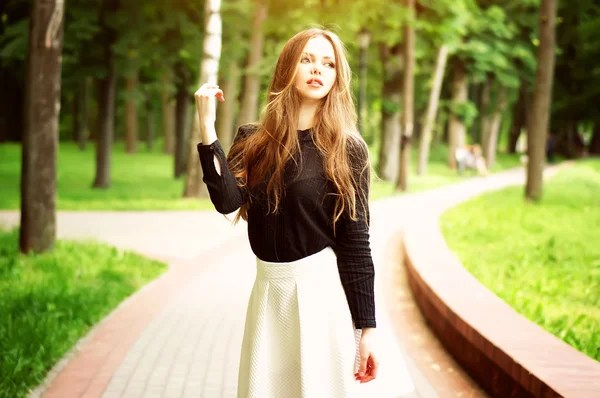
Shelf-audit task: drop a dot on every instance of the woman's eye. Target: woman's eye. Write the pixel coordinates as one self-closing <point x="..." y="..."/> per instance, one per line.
<point x="305" y="59"/>
<point x="331" y="64"/>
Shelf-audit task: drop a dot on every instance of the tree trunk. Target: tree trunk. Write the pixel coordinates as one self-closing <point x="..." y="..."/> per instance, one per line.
<point x="456" y="128"/>
<point x="182" y="104"/>
<point x="430" y="117"/>
<point x="83" y="130"/>
<point x="408" y="98"/>
<point x="149" y="124"/>
<point x="542" y="96"/>
<point x="484" y="111"/>
<point x="249" y="108"/>
<point x="519" y="119"/>
<point x="168" y="113"/>
<point x="491" y="143"/>
<point x="209" y="72"/>
<point x="40" y="138"/>
<point x="475" y="94"/>
<point x="391" y="93"/>
<point x="76" y="120"/>
<point x="362" y="87"/>
<point x="440" y="133"/>
<point x="106" y="100"/>
<point x="594" y="148"/>
<point x="131" y="115"/>
<point x="225" y="110"/>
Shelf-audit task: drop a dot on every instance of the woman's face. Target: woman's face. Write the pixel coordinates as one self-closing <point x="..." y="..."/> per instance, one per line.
<point x="317" y="70"/>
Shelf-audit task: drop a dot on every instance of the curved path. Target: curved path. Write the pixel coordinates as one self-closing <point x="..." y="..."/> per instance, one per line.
<point x="180" y="335"/>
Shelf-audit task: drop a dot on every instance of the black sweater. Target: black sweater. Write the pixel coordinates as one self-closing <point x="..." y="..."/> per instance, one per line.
<point x="303" y="223"/>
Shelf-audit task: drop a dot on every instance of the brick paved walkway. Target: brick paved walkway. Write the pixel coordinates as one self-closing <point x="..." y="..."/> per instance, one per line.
<point x="180" y="336"/>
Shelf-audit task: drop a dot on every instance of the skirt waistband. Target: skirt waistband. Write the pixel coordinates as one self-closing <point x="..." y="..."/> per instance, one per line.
<point x="319" y="263"/>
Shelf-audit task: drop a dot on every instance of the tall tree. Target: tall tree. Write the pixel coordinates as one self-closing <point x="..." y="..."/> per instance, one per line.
<point x="519" y="117"/>
<point x="457" y="128"/>
<point x="432" y="107"/>
<point x="225" y="111"/>
<point x="391" y="95"/>
<point x="149" y="124"/>
<point x="363" y="39"/>
<point x="408" y="97"/>
<point x="106" y="87"/>
<point x="209" y="71"/>
<point x="443" y="24"/>
<point x="40" y="139"/>
<point x="168" y="117"/>
<point x="81" y="113"/>
<point x="542" y="97"/>
<point x="249" y="108"/>
<point x="182" y="110"/>
<point x="131" y="114"/>
<point x="490" y="139"/>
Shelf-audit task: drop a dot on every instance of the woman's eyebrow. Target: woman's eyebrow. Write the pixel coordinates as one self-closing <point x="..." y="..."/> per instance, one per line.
<point x="313" y="55"/>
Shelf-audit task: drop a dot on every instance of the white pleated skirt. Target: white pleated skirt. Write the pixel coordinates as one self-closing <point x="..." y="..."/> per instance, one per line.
<point x="299" y="340"/>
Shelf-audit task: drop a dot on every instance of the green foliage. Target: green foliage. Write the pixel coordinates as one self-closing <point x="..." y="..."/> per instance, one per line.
<point x="577" y="76"/>
<point x="13" y="43"/>
<point x="81" y="50"/>
<point x="487" y="45"/>
<point x="49" y="301"/>
<point x="542" y="259"/>
<point x="466" y="111"/>
<point x="142" y="182"/>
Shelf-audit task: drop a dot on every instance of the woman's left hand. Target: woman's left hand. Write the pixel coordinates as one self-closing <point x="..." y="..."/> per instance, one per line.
<point x="368" y="359"/>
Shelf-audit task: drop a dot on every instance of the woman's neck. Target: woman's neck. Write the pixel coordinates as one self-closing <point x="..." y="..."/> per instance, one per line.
<point x="306" y="115"/>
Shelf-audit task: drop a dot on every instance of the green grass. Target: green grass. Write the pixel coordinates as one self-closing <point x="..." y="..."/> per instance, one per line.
<point x="49" y="301"/>
<point x="143" y="181"/>
<point x="438" y="173"/>
<point x="542" y="259"/>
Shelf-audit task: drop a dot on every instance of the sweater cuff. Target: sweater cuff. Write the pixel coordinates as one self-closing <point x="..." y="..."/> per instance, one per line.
<point x="206" y="154"/>
<point x="365" y="323"/>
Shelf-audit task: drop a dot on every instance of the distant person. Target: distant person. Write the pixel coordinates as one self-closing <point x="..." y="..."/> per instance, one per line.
<point x="300" y="177"/>
<point x="470" y="157"/>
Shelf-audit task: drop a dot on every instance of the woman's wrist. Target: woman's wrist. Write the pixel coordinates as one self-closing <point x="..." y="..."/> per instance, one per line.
<point x="367" y="331"/>
<point x="208" y="134"/>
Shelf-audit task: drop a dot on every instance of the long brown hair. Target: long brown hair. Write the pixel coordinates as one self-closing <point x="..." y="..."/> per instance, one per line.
<point x="265" y="153"/>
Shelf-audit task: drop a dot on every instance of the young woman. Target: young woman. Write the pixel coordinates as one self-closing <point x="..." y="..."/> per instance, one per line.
<point x="300" y="178"/>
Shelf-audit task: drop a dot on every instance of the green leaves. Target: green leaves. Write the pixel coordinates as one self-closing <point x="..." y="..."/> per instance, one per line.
<point x="466" y="112"/>
<point x="13" y="42"/>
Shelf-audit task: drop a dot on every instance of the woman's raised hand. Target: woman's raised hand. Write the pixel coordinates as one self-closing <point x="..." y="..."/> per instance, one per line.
<point x="205" y="103"/>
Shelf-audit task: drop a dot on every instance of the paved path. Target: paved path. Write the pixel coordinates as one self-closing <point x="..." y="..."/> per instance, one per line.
<point x="180" y="336"/>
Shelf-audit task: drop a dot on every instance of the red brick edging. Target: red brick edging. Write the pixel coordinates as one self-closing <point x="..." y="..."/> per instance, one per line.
<point x="505" y="352"/>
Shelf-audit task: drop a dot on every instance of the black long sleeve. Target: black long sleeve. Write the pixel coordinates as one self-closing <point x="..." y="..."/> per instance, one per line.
<point x="223" y="189"/>
<point x="353" y="250"/>
<point x="303" y="224"/>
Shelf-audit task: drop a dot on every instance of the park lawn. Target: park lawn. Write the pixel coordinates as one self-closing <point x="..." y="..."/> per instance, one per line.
<point x="145" y="181"/>
<point x="49" y="301"/>
<point x="438" y="174"/>
<point x="542" y="259"/>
